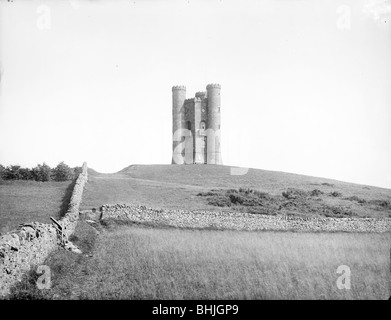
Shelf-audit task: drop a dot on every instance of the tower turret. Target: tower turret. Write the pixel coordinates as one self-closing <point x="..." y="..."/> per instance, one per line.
<point x="200" y="94"/>
<point x="213" y="124"/>
<point x="178" y="122"/>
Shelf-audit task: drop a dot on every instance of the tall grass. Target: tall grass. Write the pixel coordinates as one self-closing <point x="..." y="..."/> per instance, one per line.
<point x="149" y="263"/>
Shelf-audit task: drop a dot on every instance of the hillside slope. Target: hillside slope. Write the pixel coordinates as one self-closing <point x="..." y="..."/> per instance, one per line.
<point x="177" y="187"/>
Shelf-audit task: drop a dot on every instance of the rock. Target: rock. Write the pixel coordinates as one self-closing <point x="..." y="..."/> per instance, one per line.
<point x="71" y="247"/>
<point x="11" y="240"/>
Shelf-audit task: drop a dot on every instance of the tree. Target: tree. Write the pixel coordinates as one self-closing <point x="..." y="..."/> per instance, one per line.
<point x="11" y="173"/>
<point x="25" y="174"/>
<point x="77" y="170"/>
<point x="2" y="168"/>
<point x="63" y="172"/>
<point x="42" y="172"/>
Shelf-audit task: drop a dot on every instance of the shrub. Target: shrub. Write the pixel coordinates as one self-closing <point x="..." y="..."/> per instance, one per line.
<point x="236" y="199"/>
<point x="245" y="190"/>
<point x="39" y="173"/>
<point x="77" y="171"/>
<point x="63" y="172"/>
<point x="315" y="193"/>
<point x="355" y="198"/>
<point x="288" y="205"/>
<point x="251" y="201"/>
<point x="335" y="194"/>
<point x="381" y="203"/>
<point x="25" y="174"/>
<point x="292" y="193"/>
<point x="243" y="196"/>
<point x="206" y="194"/>
<point x="12" y="173"/>
<point x="42" y="172"/>
<point x="260" y="194"/>
<point x="338" y="212"/>
<point x="327" y="184"/>
<point x="219" y="201"/>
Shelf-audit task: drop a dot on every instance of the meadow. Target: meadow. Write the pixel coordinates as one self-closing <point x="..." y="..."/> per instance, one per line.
<point x="26" y="201"/>
<point x="126" y="261"/>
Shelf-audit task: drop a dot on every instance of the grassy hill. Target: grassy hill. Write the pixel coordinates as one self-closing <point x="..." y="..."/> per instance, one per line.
<point x="178" y="187"/>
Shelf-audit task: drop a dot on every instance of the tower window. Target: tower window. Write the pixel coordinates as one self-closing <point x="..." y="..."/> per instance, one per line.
<point x="202" y="125"/>
<point x="188" y="125"/>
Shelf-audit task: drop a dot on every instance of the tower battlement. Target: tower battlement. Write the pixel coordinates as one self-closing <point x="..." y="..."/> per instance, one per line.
<point x="213" y="85"/>
<point x="196" y="126"/>
<point x="178" y="88"/>
<point x="194" y="99"/>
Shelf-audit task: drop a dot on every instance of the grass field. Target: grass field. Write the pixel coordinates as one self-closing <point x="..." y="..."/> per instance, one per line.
<point x="128" y="261"/>
<point x="137" y="262"/>
<point x="176" y="187"/>
<point x="27" y="201"/>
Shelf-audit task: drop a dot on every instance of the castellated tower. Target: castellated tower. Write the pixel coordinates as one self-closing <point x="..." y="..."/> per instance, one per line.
<point x="196" y="126"/>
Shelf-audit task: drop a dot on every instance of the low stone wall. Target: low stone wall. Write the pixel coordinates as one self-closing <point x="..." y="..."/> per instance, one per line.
<point x="241" y="221"/>
<point x="31" y="243"/>
<point x="69" y="221"/>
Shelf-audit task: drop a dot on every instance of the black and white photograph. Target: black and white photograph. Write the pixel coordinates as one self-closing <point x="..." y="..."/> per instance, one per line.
<point x="193" y="155"/>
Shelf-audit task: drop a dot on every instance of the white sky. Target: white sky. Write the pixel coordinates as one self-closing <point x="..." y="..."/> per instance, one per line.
<point x="306" y="84"/>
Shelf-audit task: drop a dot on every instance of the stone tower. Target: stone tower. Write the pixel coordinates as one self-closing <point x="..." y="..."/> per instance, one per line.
<point x="196" y="126"/>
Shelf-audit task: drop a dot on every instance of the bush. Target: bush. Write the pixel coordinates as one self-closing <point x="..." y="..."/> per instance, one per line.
<point x="338" y="212"/>
<point x="242" y="197"/>
<point x="315" y="193"/>
<point x="25" y="174"/>
<point x="207" y="194"/>
<point x="219" y="201"/>
<point x="355" y="198"/>
<point x="335" y="194"/>
<point x="236" y="199"/>
<point x="63" y="172"/>
<point x="381" y="203"/>
<point x="77" y="171"/>
<point x="252" y="192"/>
<point x="42" y="172"/>
<point x="39" y="173"/>
<point x="292" y="193"/>
<point x="11" y="173"/>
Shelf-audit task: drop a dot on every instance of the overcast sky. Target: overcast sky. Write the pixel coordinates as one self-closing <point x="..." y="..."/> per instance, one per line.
<point x="306" y="85"/>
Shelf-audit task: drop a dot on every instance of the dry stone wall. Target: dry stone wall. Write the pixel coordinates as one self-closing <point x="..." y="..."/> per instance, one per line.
<point x="31" y="243"/>
<point x="70" y="219"/>
<point x="241" y="221"/>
